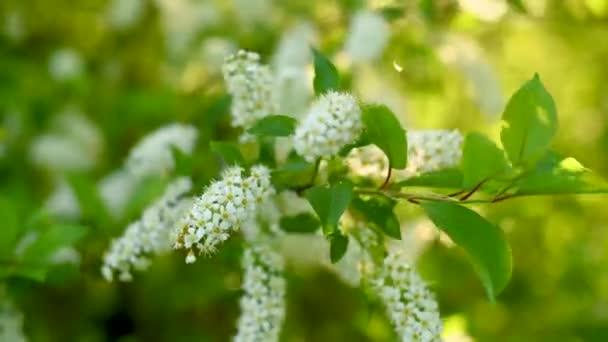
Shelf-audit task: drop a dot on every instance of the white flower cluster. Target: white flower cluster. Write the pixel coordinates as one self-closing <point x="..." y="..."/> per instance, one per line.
<point x="369" y="33"/>
<point x="65" y="64"/>
<point x="411" y="307"/>
<point x="153" y="154"/>
<point x="72" y="143"/>
<point x="332" y="122"/>
<point x="428" y="150"/>
<point x="251" y="85"/>
<point x="431" y="150"/>
<point x="124" y="14"/>
<point x="222" y="209"/>
<point x="115" y="190"/>
<point x="263" y="304"/>
<point x="11" y="321"/>
<point x="149" y="235"/>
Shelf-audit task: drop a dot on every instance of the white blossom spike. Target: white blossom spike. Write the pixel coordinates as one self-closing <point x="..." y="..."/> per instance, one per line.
<point x="368" y="36"/>
<point x="222" y="209"/>
<point x="154" y="155"/>
<point x="410" y="305"/>
<point x="251" y="85"/>
<point x="431" y="150"/>
<point x="150" y="235"/>
<point x="263" y="304"/>
<point x="11" y="320"/>
<point x="428" y="150"/>
<point x="332" y="122"/>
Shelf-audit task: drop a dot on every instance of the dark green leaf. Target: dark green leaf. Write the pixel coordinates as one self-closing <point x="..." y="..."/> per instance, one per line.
<point x="518" y="5"/>
<point x="379" y="211"/>
<point x="274" y="126"/>
<point x="385" y="131"/>
<point x="301" y="223"/>
<point x="447" y="178"/>
<point x="481" y="160"/>
<point x="326" y="74"/>
<point x="338" y="246"/>
<point x="391" y="13"/>
<point x="529" y="123"/>
<point x="183" y="162"/>
<point x="10" y="228"/>
<point x="566" y="176"/>
<point x="229" y="151"/>
<point x="484" y="243"/>
<point x="330" y="202"/>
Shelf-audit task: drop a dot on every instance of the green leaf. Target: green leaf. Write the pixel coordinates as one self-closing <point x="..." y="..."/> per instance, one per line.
<point x="90" y="202"/>
<point x="481" y="160"/>
<point x="330" y="202"/>
<point x="378" y="210"/>
<point x="295" y="172"/>
<point x="391" y="13"/>
<point x="529" y="123"/>
<point x="385" y="131"/>
<point x="338" y="246"/>
<point x="10" y="228"/>
<point x="326" y="74"/>
<point x="362" y="140"/>
<point x="274" y="126"/>
<point x="446" y="178"/>
<point x="50" y="240"/>
<point x="183" y="162"/>
<point x="484" y="243"/>
<point x="229" y="151"/>
<point x="301" y="223"/>
<point x="518" y="5"/>
<point x="565" y="176"/>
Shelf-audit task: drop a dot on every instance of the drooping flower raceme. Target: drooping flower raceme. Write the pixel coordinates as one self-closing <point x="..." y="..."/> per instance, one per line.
<point x="332" y="122"/>
<point x="154" y="155"/>
<point x="369" y="33"/>
<point x="263" y="304"/>
<point x="149" y="235"/>
<point x="11" y="321"/>
<point x="409" y="304"/>
<point x="428" y="150"/>
<point x="222" y="209"/>
<point x="251" y="85"/>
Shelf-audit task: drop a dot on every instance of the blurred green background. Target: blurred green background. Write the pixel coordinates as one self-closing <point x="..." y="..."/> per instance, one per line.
<point x="129" y="66"/>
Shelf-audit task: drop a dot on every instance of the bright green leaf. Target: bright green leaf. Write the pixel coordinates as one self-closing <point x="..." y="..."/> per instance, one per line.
<point x="565" y="176"/>
<point x="295" y="172"/>
<point x="89" y="200"/>
<point x="529" y="123"/>
<point x="10" y="228"/>
<point x="50" y="240"/>
<point x="274" y="126"/>
<point x="385" y="131"/>
<point x="484" y="243"/>
<point x="446" y="178"/>
<point x="330" y="202"/>
<point x="379" y="211"/>
<point x="183" y="162"/>
<point x="338" y="246"/>
<point x="326" y="74"/>
<point x="229" y="151"/>
<point x="481" y="160"/>
<point x="301" y="223"/>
